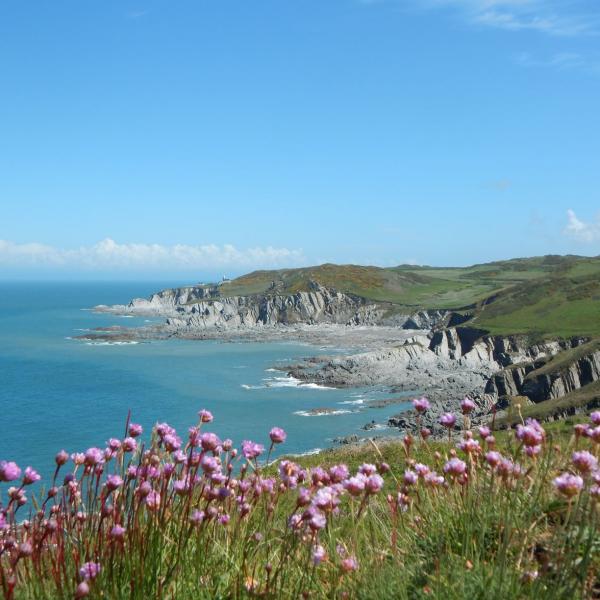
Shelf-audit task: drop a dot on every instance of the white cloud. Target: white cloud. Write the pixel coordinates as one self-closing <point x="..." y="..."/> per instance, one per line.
<point x="554" y="17"/>
<point x="109" y="254"/>
<point x="580" y="230"/>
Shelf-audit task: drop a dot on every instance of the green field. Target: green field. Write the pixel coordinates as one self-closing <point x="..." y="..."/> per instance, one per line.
<point x="549" y="296"/>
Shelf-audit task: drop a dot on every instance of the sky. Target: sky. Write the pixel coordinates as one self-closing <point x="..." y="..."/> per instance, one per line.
<point x="188" y="138"/>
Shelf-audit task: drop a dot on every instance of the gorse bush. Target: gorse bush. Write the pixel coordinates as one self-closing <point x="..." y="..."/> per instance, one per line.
<point x="513" y="517"/>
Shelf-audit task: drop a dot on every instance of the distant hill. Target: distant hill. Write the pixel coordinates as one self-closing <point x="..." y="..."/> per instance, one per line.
<point x="548" y="295"/>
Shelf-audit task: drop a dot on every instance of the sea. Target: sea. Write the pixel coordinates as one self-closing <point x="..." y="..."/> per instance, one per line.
<point x="58" y="392"/>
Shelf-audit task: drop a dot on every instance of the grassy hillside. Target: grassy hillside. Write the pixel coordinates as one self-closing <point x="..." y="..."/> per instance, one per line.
<point x="546" y="296"/>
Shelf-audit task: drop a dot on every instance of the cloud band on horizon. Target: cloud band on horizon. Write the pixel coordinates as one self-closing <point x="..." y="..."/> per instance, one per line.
<point x="108" y="254"/>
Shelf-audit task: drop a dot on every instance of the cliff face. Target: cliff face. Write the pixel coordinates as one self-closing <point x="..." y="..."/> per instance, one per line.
<point x="203" y="308"/>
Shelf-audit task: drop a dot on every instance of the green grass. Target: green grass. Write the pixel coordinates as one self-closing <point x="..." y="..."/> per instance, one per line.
<point x="549" y="296"/>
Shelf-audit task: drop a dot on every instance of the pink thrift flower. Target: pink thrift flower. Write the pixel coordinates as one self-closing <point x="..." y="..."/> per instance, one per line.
<point x="82" y="591"/>
<point x="410" y="477"/>
<point x="317" y="521"/>
<point x="89" y="570"/>
<point x="205" y="416"/>
<point x="135" y="430"/>
<point x="455" y="467"/>
<point x="469" y="446"/>
<point x="493" y="458"/>
<point x="355" y="486"/>
<point x="595" y="417"/>
<point x="93" y="457"/>
<point x="113" y="482"/>
<point x="277" y="435"/>
<point x="374" y="484"/>
<point x="338" y="473"/>
<point x="9" y="471"/>
<point x="129" y="444"/>
<point x="117" y="533"/>
<point x="252" y="450"/>
<point x="584" y="461"/>
<point x="367" y="469"/>
<point x="349" y="564"/>
<point x="467" y="406"/>
<point x="209" y="442"/>
<point x="569" y="485"/>
<point x="61" y="458"/>
<point x="153" y="501"/>
<point x="448" y="420"/>
<point x="30" y="476"/>
<point x="421" y="405"/>
<point x="425" y="433"/>
<point x="318" y="555"/>
<point x="484" y="432"/>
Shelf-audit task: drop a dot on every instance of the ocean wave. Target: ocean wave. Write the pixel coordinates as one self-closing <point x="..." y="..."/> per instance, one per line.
<point x="329" y="413"/>
<point x="126" y="316"/>
<point x="357" y="402"/>
<point x="272" y="370"/>
<point x="285" y="382"/>
<point x="119" y="343"/>
<point x="307" y="453"/>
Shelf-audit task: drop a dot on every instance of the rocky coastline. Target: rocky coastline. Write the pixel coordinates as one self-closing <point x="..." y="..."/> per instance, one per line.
<point x="431" y="351"/>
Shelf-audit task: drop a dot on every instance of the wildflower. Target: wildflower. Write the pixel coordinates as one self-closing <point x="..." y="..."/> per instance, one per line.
<point x="224" y="520"/>
<point x="531" y="434"/>
<point x="532" y="451"/>
<point x="319" y="475"/>
<point x="153" y="501"/>
<point x="448" y="420"/>
<point x="467" y="406"/>
<point x="425" y="433"/>
<point x="277" y="435"/>
<point x="584" y="461"/>
<point x="410" y="477"/>
<point x="432" y="479"/>
<point x="594" y="434"/>
<point x="25" y="550"/>
<point x="493" y="458"/>
<point x="326" y="499"/>
<point x="61" y="458"/>
<point x="209" y="442"/>
<point x="9" y="471"/>
<point x="484" y="432"/>
<point x="318" y="555"/>
<point x="93" y="457"/>
<point x="83" y="590"/>
<point x="113" y="444"/>
<point x="129" y="444"/>
<point x="227" y="445"/>
<point x="421" y="405"/>
<point x="205" y="416"/>
<point x="595" y="417"/>
<point x="594" y="492"/>
<point x="303" y="497"/>
<point x="569" y="485"/>
<point x="367" y="469"/>
<point x="163" y="429"/>
<point x="197" y="517"/>
<point x="89" y="570"/>
<point x="172" y="442"/>
<point x="182" y="487"/>
<point x="349" y="564"/>
<point x="374" y="484"/>
<point x="355" y="486"/>
<point x="317" y="521"/>
<point x="338" y="473"/>
<point x="135" y="430"/>
<point x="455" y="467"/>
<point x="421" y="469"/>
<point x="30" y="476"/>
<point x="383" y="468"/>
<point x="469" y="446"/>
<point x="209" y="464"/>
<point x="117" y="533"/>
<point x="113" y="482"/>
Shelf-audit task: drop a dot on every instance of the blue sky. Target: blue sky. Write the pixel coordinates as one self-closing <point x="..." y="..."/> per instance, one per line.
<point x="181" y="138"/>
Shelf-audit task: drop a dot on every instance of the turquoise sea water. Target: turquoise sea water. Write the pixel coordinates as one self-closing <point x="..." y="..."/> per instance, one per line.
<point x="56" y="392"/>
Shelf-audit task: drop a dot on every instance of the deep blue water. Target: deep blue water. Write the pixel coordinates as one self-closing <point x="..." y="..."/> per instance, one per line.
<point x="57" y="392"/>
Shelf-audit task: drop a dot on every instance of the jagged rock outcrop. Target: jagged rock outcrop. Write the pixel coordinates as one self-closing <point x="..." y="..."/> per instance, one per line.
<point x="554" y="384"/>
<point x="200" y="307"/>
